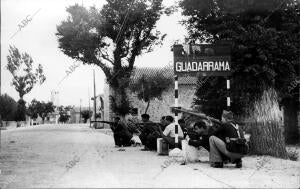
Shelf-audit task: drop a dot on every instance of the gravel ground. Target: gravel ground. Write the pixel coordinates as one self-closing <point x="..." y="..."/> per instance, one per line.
<point x="68" y="156"/>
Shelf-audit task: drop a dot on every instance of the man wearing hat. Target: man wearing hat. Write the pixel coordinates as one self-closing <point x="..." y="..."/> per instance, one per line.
<point x="226" y="134"/>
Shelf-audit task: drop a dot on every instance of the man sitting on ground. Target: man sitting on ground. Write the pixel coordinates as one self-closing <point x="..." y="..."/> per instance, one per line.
<point x="168" y="134"/>
<point x="229" y="131"/>
<point x="202" y="137"/>
<point x="122" y="136"/>
<point x="149" y="133"/>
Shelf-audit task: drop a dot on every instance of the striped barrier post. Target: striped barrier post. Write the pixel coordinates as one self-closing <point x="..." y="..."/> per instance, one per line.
<point x="176" y="113"/>
<point x="228" y="96"/>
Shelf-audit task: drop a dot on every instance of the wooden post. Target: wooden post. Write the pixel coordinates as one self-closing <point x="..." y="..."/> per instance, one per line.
<point x="176" y="112"/>
<point x="228" y="96"/>
<point x="95" y="110"/>
<point x="90" y="117"/>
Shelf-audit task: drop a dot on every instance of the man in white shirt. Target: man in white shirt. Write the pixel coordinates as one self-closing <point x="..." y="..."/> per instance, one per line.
<point x="169" y="133"/>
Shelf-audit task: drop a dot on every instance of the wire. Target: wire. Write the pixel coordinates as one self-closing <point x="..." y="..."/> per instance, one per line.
<point x="124" y="22"/>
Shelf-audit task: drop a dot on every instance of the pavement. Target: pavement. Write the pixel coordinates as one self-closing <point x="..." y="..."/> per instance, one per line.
<point x="76" y="156"/>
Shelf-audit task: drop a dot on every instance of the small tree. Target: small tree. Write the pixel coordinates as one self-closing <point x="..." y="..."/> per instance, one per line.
<point x="8" y="107"/>
<point x="42" y="109"/>
<point x="46" y="109"/>
<point x="32" y="110"/>
<point x="64" y="113"/>
<point x="86" y="114"/>
<point x="151" y="87"/>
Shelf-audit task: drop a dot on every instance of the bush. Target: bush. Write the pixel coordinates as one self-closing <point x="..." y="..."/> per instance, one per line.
<point x="8" y="107"/>
<point x="293" y="155"/>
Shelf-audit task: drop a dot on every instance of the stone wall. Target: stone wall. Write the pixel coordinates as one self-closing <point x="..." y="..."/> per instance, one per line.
<point x="161" y="107"/>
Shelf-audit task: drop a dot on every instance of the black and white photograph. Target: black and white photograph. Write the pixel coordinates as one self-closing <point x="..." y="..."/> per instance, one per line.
<point x="149" y="94"/>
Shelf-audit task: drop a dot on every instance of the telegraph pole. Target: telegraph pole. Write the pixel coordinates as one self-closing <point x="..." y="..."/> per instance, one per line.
<point x="90" y="117"/>
<point x="94" y="99"/>
<point x="80" y="111"/>
<point x="0" y="77"/>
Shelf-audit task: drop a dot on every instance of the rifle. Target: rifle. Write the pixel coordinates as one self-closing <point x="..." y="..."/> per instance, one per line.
<point x="204" y="116"/>
<point x="200" y="115"/>
<point x="108" y="122"/>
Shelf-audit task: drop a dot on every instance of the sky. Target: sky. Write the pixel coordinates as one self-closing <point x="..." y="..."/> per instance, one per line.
<point x="38" y="39"/>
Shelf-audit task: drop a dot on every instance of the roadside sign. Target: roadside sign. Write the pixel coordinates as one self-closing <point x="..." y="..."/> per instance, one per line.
<point x="202" y="60"/>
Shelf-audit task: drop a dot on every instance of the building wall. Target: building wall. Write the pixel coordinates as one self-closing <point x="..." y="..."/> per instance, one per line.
<point x="157" y="108"/>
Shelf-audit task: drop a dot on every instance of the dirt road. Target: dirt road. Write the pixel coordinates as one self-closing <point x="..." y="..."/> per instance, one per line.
<point x="52" y="156"/>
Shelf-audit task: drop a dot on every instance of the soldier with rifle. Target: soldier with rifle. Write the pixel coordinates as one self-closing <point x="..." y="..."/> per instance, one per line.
<point x="122" y="136"/>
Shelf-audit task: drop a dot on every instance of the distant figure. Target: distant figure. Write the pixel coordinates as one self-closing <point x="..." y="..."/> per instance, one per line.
<point x="168" y="134"/>
<point x="122" y="136"/>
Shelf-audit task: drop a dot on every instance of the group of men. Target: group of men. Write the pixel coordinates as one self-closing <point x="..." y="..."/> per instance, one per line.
<point x="218" y="140"/>
<point x="225" y="142"/>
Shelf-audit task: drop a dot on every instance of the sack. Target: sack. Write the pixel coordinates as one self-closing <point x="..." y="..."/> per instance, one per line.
<point x="136" y="139"/>
<point x="190" y="152"/>
<point x="239" y="146"/>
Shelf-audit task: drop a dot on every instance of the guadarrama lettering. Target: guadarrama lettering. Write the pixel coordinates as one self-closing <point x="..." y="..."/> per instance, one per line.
<point x="202" y="66"/>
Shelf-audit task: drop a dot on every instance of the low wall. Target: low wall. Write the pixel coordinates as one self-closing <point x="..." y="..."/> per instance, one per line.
<point x="14" y="123"/>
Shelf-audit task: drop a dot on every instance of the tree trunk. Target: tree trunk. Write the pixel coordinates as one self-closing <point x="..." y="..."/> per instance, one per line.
<point x="267" y="139"/>
<point x="147" y="107"/>
<point x="119" y="103"/>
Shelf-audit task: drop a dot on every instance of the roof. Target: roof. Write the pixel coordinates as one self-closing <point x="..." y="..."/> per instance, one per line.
<point x="167" y="71"/>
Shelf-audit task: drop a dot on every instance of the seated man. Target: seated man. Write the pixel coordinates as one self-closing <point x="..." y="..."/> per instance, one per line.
<point x="122" y="136"/>
<point x="149" y="133"/>
<point x="181" y="122"/>
<point x="168" y="134"/>
<point x="202" y="136"/>
<point x="229" y="131"/>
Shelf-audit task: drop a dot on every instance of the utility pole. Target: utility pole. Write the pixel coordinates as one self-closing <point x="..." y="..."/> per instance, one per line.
<point x="90" y="117"/>
<point x="94" y="99"/>
<point x="0" y="77"/>
<point x="80" y="111"/>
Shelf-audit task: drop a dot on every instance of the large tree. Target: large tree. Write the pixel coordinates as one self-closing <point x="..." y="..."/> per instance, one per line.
<point x="20" y="65"/>
<point x="265" y="41"/>
<point x="112" y="38"/>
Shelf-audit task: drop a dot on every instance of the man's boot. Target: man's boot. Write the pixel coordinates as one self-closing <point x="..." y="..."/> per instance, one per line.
<point x="238" y="163"/>
<point x="217" y="164"/>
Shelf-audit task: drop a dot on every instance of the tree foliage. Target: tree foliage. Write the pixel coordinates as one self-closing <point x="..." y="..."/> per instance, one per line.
<point x="21" y="110"/>
<point x="86" y="114"/>
<point x="32" y="110"/>
<point x="42" y="109"/>
<point x="64" y="113"/>
<point x="111" y="38"/>
<point x="8" y="107"/>
<point x="20" y="65"/>
<point x="150" y="87"/>
<point x="265" y="40"/>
